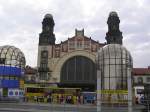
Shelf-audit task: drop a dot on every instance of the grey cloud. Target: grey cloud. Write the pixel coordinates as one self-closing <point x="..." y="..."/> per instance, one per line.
<point x="21" y="23"/>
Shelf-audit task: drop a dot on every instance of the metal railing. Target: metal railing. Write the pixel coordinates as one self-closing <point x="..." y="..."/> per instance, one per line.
<point x="146" y="103"/>
<point x="73" y="104"/>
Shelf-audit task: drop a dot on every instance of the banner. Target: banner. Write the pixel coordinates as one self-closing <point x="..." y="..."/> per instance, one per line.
<point x="113" y="91"/>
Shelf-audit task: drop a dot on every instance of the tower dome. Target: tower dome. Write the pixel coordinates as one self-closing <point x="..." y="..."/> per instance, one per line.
<point x="114" y="35"/>
<point x="113" y="13"/>
<point x="47" y="36"/>
<point x="48" y="16"/>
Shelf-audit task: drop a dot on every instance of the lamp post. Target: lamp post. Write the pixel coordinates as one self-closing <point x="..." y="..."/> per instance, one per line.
<point x="129" y="90"/>
<point x="98" y="90"/>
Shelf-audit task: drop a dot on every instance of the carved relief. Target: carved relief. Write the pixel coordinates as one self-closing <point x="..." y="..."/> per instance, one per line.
<point x="64" y="48"/>
<point x="57" y="54"/>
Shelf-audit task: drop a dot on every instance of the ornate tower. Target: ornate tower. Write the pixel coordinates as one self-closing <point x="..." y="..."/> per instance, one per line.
<point x="113" y="36"/>
<point x="47" y="36"/>
<point x="45" y="48"/>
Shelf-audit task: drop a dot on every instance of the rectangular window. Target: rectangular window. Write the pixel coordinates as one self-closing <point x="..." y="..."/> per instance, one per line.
<point x="140" y="91"/>
<point x="79" y="44"/>
<point x="2" y="61"/>
<point x="44" y="54"/>
<point x="87" y="44"/>
<point x="43" y="76"/>
<point x="43" y="65"/>
<point x="71" y="44"/>
<point x="148" y="79"/>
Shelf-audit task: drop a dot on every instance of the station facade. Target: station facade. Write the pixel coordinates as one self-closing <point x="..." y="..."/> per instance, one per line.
<point x="70" y="63"/>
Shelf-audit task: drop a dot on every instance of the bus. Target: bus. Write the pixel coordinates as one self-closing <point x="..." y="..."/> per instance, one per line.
<point x="55" y="93"/>
<point x="139" y="93"/>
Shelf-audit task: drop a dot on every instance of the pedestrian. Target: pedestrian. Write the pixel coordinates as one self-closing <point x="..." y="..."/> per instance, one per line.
<point x="35" y="98"/>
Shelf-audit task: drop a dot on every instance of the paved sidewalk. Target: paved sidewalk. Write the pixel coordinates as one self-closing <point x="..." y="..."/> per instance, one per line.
<point x="45" y="107"/>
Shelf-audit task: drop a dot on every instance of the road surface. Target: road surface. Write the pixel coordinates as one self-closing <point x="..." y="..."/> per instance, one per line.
<point x="39" y="107"/>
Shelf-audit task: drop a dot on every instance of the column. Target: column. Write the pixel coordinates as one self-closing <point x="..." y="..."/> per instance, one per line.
<point x="98" y="90"/>
<point x="129" y="90"/>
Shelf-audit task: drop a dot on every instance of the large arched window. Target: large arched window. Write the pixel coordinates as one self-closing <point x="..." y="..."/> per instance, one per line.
<point x="78" y="69"/>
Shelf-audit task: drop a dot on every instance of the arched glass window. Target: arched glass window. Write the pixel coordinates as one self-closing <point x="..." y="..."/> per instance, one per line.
<point x="11" y="56"/>
<point x="78" y="69"/>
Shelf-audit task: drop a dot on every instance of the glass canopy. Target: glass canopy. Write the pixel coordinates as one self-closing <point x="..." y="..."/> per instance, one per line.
<point x="11" y="56"/>
<point x="113" y="61"/>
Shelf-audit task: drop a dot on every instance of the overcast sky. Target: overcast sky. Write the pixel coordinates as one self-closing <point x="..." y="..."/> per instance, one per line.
<point x="20" y="23"/>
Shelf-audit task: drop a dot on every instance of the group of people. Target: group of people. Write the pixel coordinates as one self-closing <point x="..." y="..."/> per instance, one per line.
<point x="69" y="99"/>
<point x="61" y="99"/>
<point x="57" y="98"/>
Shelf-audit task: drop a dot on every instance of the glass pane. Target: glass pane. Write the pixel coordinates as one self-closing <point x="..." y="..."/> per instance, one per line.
<point x="106" y="61"/>
<point x="106" y="83"/>
<point x="112" y="71"/>
<point x="3" y="55"/>
<point x="8" y="56"/>
<point x="13" y="57"/>
<point x="112" y="61"/>
<point x="106" y="71"/>
<point x="118" y="61"/>
<point x="113" y="83"/>
<point x="118" y="71"/>
<point x="8" y="62"/>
